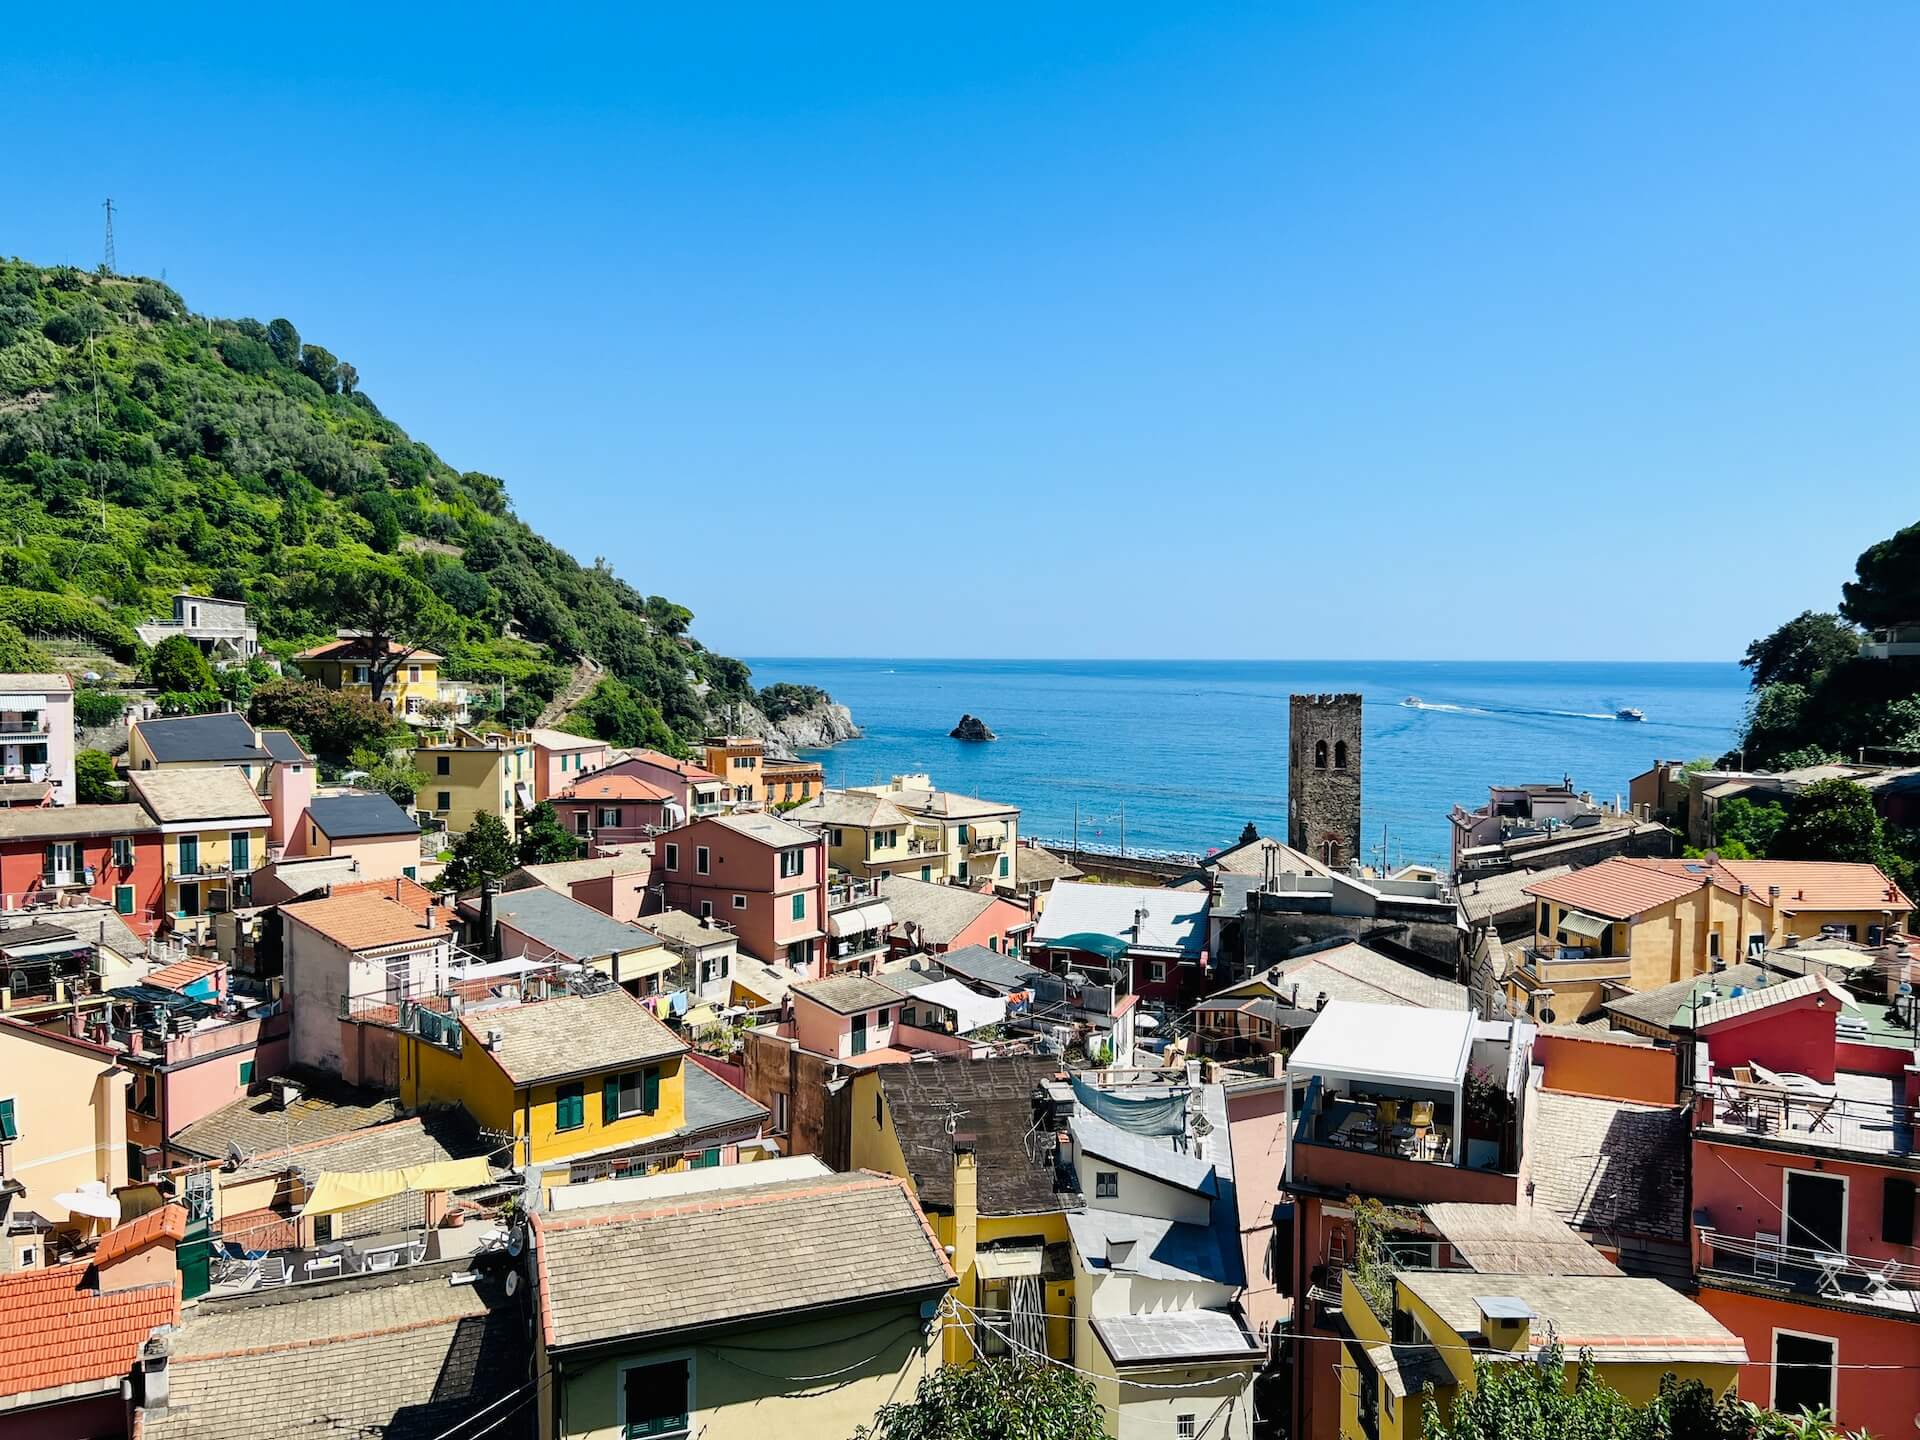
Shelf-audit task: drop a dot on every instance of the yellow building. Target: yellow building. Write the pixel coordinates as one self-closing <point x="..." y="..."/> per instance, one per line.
<point x="737" y="759"/>
<point x="1630" y="925"/>
<point x="975" y="838"/>
<point x="771" y="1301"/>
<point x="414" y="691"/>
<point x="869" y="835"/>
<point x="213" y="833"/>
<point x="989" y="1196"/>
<point x="570" y="1077"/>
<point x="1445" y="1321"/>
<point x="193" y="741"/>
<point x="63" y="1126"/>
<point x="470" y="774"/>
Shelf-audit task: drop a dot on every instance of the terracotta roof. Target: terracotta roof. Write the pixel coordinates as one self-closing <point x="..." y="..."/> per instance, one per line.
<point x="169" y="1222"/>
<point x="571" y="1035"/>
<point x="56" y="1330"/>
<point x="182" y="973"/>
<point x="410" y="893"/>
<point x="614" y="787"/>
<point x="686" y="769"/>
<point x="360" y="647"/>
<point x="364" y="921"/>
<point x="1750" y="1002"/>
<point x="1821" y="884"/>
<point x="1619" y="889"/>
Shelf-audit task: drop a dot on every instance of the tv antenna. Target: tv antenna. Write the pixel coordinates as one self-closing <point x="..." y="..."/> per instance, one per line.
<point x="109" y="260"/>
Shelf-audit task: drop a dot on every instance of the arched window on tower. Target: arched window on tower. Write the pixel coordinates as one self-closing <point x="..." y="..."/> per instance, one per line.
<point x="1319" y="754"/>
<point x="1339" y="754"/>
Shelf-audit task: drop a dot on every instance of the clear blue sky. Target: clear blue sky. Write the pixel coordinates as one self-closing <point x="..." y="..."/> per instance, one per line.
<point x="1527" y="330"/>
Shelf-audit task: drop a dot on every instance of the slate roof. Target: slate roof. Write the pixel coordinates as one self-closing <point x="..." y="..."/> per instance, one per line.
<point x="565" y="926"/>
<point x="363" y="920"/>
<point x="1516" y="1240"/>
<point x="1230" y="894"/>
<point x="713" y="1104"/>
<point x="1608" y="1166"/>
<point x="997" y="1096"/>
<point x="648" y="1270"/>
<point x="226" y="738"/>
<point x="571" y="1035"/>
<point x="1618" y="1317"/>
<point x="74" y="822"/>
<point x="1173" y="1335"/>
<point x="847" y="994"/>
<point x="988" y="967"/>
<point x="677" y="927"/>
<point x="1163" y="1249"/>
<point x="939" y="912"/>
<point x="423" y="1139"/>
<point x="1176" y="920"/>
<point x="56" y="1330"/>
<point x="359" y="817"/>
<point x="281" y="745"/>
<point x="327" y="1107"/>
<point x="406" y="1357"/>
<point x="1094" y="1137"/>
<point x="214" y="793"/>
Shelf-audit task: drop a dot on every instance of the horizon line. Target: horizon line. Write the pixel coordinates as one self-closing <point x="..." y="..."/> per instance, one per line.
<point x="1245" y="660"/>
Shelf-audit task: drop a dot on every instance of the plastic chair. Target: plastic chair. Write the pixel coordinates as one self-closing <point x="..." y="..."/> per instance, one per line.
<point x="273" y="1270"/>
<point x="322" y="1265"/>
<point x="383" y="1260"/>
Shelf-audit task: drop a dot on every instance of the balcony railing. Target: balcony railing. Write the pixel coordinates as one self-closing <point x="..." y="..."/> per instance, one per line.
<point x="986" y="844"/>
<point x="1766" y="1259"/>
<point x="852" y="892"/>
<point x="60" y="879"/>
<point x="1883" y="1127"/>
<point x="40" y="726"/>
<point x="205" y="870"/>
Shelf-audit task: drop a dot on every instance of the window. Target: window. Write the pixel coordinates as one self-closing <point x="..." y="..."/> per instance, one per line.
<point x="673" y="857"/>
<point x="800" y="905"/>
<point x="246" y="1072"/>
<point x="413" y="674"/>
<point x="836" y="838"/>
<point x="123" y="852"/>
<point x="1106" y="1185"/>
<point x="123" y="899"/>
<point x="1896" y="1210"/>
<point x="885" y="1017"/>
<point x="705" y="1160"/>
<point x="412" y="872"/>
<point x="1183" y="1427"/>
<point x="635" y="1093"/>
<point x="799" y="955"/>
<point x="610" y="816"/>
<point x="1339" y="754"/>
<point x="1003" y="867"/>
<point x="706" y="909"/>
<point x="9" y="1121"/>
<point x="702" y="861"/>
<point x="241" y="850"/>
<point x="963" y="872"/>
<point x="1319" y="754"/>
<point x="443" y="764"/>
<point x="653" y="1400"/>
<point x="780" y="1112"/>
<point x="926" y="872"/>
<point x="569" y="1107"/>
<point x="445" y="797"/>
<point x="963" y="834"/>
<point x="359" y="674"/>
<point x="1156" y="970"/>
<point x="792" y="862"/>
<point x="1803" y="1371"/>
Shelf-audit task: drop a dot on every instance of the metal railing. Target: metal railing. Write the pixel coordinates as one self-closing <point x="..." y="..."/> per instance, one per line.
<point x="852" y="892"/>
<point x="1810" y="1117"/>
<point x="206" y="870"/>
<point x="42" y="726"/>
<point x="1767" y="1258"/>
<point x="986" y="844"/>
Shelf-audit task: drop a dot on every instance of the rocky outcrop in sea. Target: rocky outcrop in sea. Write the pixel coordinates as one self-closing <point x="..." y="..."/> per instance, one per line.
<point x="819" y="725"/>
<point x="972" y="727"/>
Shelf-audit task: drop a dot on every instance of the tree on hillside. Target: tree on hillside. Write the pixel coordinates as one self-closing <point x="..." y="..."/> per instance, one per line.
<point x="1835" y="820"/>
<point x="1801" y="651"/>
<point x="995" y="1398"/>
<point x="1752" y="827"/>
<point x="19" y="655"/>
<point x="543" y="841"/>
<point x="176" y="664"/>
<point x="332" y="722"/>
<point x="485" y="852"/>
<point x="398" y="615"/>
<point x="1885" y="589"/>
<point x="93" y="778"/>
<point x="613" y="711"/>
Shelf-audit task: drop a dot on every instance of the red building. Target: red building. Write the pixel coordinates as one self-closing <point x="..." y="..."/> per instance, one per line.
<point x="110" y="852"/>
<point x="1804" y="1171"/>
<point x="614" y="809"/>
<point x="759" y="874"/>
<point x="1149" y="943"/>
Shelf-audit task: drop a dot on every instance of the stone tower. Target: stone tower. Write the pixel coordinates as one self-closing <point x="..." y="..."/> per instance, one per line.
<point x="1323" y="778"/>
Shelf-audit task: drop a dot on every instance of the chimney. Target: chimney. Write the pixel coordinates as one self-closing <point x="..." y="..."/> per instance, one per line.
<point x="966" y="1203"/>
<point x="76" y="1023"/>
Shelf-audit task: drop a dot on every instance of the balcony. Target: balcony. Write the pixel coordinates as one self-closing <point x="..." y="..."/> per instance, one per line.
<point x="29" y="727"/>
<point x="986" y="844"/>
<point x="1766" y="1262"/>
<point x="77" y="878"/>
<point x="205" y="870"/>
<point x="852" y="892"/>
<point x="1857" y="1112"/>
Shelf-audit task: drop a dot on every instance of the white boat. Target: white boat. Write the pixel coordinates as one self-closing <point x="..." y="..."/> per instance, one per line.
<point x="1629" y="713"/>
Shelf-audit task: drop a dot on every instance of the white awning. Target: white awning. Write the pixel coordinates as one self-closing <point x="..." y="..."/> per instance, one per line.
<point x="1577" y="922"/>
<point x="1009" y="1263"/>
<point x="858" y="920"/>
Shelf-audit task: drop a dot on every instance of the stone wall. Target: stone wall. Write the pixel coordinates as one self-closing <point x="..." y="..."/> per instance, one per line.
<point x="1323" y="793"/>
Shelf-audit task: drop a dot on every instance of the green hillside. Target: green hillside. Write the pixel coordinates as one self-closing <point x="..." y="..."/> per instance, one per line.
<point x="144" y="448"/>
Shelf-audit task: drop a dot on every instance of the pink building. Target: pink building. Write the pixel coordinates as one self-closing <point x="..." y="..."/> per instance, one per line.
<point x="286" y="787"/>
<point x="369" y="829"/>
<point x="614" y="884"/>
<point x="559" y="759"/>
<point x="696" y="791"/>
<point x="36" y="739"/>
<point x="615" y="809"/>
<point x="758" y="873"/>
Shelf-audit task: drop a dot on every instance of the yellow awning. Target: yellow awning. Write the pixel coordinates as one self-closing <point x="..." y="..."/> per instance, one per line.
<point x="701" y="1016"/>
<point x="338" y="1190"/>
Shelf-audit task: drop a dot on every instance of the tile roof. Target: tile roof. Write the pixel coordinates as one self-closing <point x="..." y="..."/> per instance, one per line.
<point x="938" y="912"/>
<point x="685" y="769"/>
<point x="360" y="647"/>
<point x="1619" y="889"/>
<point x="767" y="829"/>
<point x="1174" y="1335"/>
<point x="1351" y="971"/>
<point x="615" y="787"/>
<point x="1752" y="1002"/>
<point x="169" y="1222"/>
<point x="358" y="817"/>
<point x="1033" y="864"/>
<point x="74" y="822"/>
<point x="1667" y="1005"/>
<point x="1821" y="884"/>
<point x="677" y="927"/>
<point x="847" y="994"/>
<point x="997" y="1096"/>
<point x="401" y="890"/>
<point x="649" y="1270"/>
<point x="1176" y="920"/>
<point x="213" y="793"/>
<point x="182" y="973"/>
<point x="571" y="1035"/>
<point x="1608" y="1166"/>
<point x="327" y="1107"/>
<point x="561" y="924"/>
<point x="56" y="1330"/>
<point x="364" y="920"/>
<point x="1516" y="1240"/>
<point x="1251" y="859"/>
<point x="560" y="740"/>
<point x="423" y="1139"/>
<point x="1489" y="896"/>
<point x="1618" y="1317"/>
<point x="946" y="805"/>
<point x="849" y="807"/>
<point x="405" y="1357"/>
<point x="562" y="874"/>
<point x="211" y="739"/>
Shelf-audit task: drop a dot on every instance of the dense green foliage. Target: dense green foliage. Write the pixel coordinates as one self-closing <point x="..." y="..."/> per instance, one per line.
<point x="993" y="1400"/>
<point x="544" y="842"/>
<point x="1835" y="820"/>
<point x="93" y="778"/>
<point x="785" y="698"/>
<point x="332" y="723"/>
<point x="93" y="708"/>
<point x="143" y="449"/>
<point x="484" y="852"/>
<point x="1534" y="1402"/>
<point x="177" y="664"/>
<point x="616" y="712"/>
<point x="19" y="655"/>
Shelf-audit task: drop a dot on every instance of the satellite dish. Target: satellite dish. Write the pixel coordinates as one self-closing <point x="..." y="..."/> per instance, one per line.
<point x="515" y="1244"/>
<point x="236" y="1157"/>
<point x="513" y="1282"/>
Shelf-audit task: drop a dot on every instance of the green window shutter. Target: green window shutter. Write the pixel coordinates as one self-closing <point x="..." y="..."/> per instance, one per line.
<point x="610" y="1100"/>
<point x="9" y="1127"/>
<point x="246" y="1072"/>
<point x="569" y="1108"/>
<point x="963" y="834"/>
<point x="123" y="899"/>
<point x="1003" y="867"/>
<point x="705" y="1160"/>
<point x="926" y="872"/>
<point x="650" y="1092"/>
<point x="800" y="905"/>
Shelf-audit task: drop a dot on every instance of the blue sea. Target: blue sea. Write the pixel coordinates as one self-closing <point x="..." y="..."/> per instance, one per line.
<point x="1181" y="754"/>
